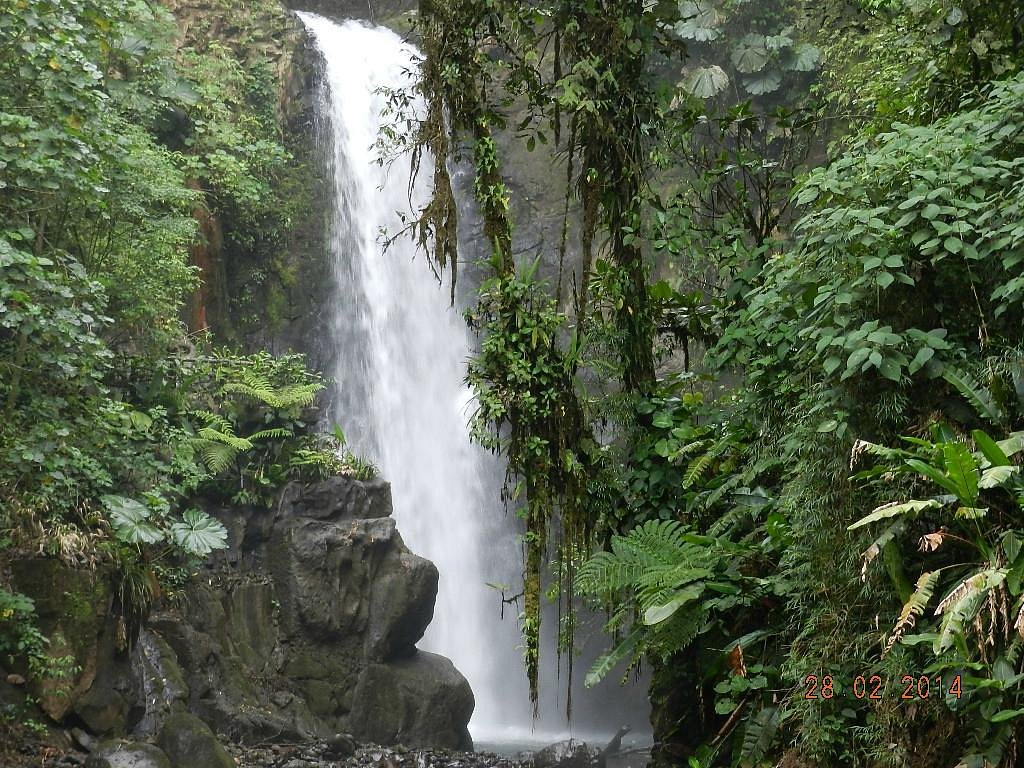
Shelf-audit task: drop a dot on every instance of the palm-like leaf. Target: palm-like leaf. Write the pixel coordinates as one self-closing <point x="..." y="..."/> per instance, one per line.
<point x="198" y="533"/>
<point x="130" y="520"/>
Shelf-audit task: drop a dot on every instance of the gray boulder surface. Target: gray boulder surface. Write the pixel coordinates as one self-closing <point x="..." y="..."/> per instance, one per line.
<point x="189" y="743"/>
<point x="306" y="626"/>
<point x="128" y="754"/>
<point x="421" y="699"/>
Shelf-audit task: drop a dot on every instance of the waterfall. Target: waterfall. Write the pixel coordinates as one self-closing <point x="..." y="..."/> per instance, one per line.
<point x="399" y="354"/>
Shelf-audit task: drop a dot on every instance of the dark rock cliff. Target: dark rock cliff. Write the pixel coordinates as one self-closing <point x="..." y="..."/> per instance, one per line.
<point x="305" y="627"/>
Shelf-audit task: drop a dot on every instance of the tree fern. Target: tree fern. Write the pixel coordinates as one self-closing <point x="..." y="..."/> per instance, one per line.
<point x="665" y="571"/>
<point x="217" y="443"/>
<point x="257" y="387"/>
<point x="606" y="573"/>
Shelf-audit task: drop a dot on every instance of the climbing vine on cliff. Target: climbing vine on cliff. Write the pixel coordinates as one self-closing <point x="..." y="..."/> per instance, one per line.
<point x="581" y="70"/>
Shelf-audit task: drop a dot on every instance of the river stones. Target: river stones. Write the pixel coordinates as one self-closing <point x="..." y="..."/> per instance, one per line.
<point x="571" y="753"/>
<point x="128" y="754"/>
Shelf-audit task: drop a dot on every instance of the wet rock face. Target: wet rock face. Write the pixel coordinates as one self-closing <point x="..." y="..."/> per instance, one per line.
<point x="305" y="627"/>
<point x="71" y="605"/>
<point x="566" y="754"/>
<point x="422" y="700"/>
<point x="318" y="603"/>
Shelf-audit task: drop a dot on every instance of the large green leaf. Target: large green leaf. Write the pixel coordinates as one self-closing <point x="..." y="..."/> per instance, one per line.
<point x="700" y="22"/>
<point x="130" y="520"/>
<point x="659" y="613"/>
<point x="895" y="508"/>
<point x="962" y="470"/>
<point x="198" y="533"/>
<point x="990" y="449"/>
<point x="803" y="58"/>
<point x="933" y="474"/>
<point x="750" y="55"/>
<point x="705" y="82"/>
<point x="764" y="82"/>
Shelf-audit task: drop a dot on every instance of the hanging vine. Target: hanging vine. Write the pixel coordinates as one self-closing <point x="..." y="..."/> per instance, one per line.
<point x="583" y="63"/>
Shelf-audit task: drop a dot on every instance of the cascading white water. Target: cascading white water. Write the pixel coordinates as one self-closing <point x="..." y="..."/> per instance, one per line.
<point x="399" y="355"/>
<point x="400" y="352"/>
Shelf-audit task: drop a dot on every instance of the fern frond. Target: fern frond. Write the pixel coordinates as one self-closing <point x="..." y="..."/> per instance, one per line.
<point x="225" y="438"/>
<point x="606" y="662"/>
<point x="758" y="736"/>
<point x="976" y="394"/>
<point x="216" y="456"/>
<point x="605" y="573"/>
<point x="258" y="388"/>
<point x="913" y="608"/>
<point x="713" y="497"/>
<point x="681" y="629"/>
<point x="275" y="433"/>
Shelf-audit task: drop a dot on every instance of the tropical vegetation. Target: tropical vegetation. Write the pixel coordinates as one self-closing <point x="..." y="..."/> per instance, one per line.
<point x="774" y="431"/>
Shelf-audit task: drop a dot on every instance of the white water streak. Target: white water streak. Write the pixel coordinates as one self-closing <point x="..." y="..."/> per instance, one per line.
<point x="401" y="355"/>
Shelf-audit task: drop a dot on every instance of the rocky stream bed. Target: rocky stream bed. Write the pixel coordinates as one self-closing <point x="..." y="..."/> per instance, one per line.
<point x="337" y="752"/>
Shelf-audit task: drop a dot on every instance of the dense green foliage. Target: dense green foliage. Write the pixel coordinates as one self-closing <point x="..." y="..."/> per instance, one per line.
<point x="117" y="424"/>
<point x="832" y="200"/>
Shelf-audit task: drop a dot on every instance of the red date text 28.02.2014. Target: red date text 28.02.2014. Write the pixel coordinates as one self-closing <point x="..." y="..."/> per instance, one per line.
<point x="876" y="687"/>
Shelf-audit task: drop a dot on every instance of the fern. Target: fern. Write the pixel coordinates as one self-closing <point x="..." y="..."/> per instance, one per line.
<point x="605" y="573"/>
<point x="667" y="571"/>
<point x="606" y="662"/>
<point x="216" y="456"/>
<point x="758" y="736"/>
<point x="976" y="394"/>
<point x="700" y="465"/>
<point x="275" y="433"/>
<point x="258" y="388"/>
<point x="913" y="608"/>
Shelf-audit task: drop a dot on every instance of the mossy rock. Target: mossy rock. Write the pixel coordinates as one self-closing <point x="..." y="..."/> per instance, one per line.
<point x="71" y="606"/>
<point x="189" y="743"/>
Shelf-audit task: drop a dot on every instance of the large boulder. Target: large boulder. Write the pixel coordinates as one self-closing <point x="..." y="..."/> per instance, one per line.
<point x="305" y="627"/>
<point x="338" y="498"/>
<point x="354" y="579"/>
<point x="570" y="753"/>
<point x="128" y="754"/>
<point x="417" y="701"/>
<point x="189" y="743"/>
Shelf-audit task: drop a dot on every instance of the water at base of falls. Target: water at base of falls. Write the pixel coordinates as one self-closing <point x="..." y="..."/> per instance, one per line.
<point x="399" y="352"/>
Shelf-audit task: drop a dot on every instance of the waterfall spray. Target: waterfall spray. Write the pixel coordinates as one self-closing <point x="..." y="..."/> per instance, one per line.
<point x="400" y="352"/>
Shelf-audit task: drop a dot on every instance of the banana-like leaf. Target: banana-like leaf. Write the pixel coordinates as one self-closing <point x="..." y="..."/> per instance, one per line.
<point x="994" y="477"/>
<point x="895" y="508"/>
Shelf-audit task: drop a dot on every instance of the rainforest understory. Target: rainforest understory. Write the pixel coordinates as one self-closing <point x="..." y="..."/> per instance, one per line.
<point x="762" y="408"/>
